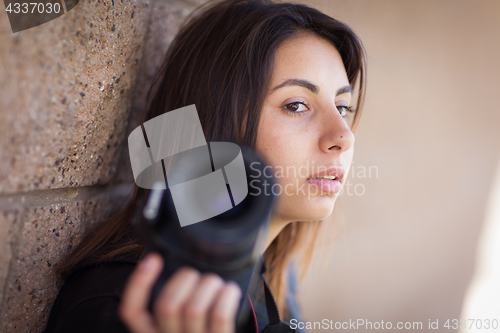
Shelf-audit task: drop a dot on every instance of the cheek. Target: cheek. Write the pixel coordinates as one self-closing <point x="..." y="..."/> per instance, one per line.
<point x="276" y="144"/>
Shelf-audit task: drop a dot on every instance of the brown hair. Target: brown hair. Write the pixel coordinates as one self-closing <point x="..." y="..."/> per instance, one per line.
<point x="222" y="60"/>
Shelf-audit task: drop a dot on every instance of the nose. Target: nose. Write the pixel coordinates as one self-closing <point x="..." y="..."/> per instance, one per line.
<point x="336" y="135"/>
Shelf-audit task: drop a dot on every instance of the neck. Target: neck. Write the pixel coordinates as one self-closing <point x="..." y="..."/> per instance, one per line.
<point x="275" y="225"/>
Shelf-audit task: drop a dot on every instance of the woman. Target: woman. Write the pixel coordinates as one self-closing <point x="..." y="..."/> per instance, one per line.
<point x="278" y="77"/>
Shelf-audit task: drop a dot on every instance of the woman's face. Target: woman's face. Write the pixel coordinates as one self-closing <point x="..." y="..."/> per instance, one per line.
<point x="304" y="130"/>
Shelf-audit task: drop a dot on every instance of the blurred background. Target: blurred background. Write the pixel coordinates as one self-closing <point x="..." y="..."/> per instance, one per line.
<point x="406" y="229"/>
<point x="405" y="249"/>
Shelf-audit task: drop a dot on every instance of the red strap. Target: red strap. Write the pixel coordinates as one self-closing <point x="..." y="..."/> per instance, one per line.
<point x="254" y="316"/>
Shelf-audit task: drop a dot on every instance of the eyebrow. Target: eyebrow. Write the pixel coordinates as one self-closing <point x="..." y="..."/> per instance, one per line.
<point x="310" y="86"/>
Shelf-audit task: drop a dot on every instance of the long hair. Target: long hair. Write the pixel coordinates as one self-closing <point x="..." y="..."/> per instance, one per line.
<point x="222" y="60"/>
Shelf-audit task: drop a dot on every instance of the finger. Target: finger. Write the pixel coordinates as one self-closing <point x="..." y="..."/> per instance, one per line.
<point x="223" y="316"/>
<point x="135" y="297"/>
<point x="204" y="296"/>
<point x="177" y="290"/>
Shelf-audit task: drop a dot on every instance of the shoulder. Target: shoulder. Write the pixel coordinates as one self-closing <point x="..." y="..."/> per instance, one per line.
<point x="89" y="299"/>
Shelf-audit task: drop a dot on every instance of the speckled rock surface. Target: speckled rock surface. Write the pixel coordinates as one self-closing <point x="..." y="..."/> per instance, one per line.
<point x="71" y="91"/>
<point x="9" y="225"/>
<point x="69" y="82"/>
<point x="31" y="286"/>
<point x="165" y="19"/>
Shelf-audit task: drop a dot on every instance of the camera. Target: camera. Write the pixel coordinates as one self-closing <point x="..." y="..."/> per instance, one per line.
<point x="228" y="244"/>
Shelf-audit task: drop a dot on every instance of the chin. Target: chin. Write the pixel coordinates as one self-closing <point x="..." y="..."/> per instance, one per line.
<point x="309" y="210"/>
<point x="320" y="215"/>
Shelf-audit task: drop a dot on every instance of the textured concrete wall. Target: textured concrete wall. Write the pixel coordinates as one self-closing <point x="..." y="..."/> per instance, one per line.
<point x="71" y="90"/>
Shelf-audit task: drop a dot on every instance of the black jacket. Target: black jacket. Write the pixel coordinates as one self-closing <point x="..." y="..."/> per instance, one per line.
<point x="89" y="299"/>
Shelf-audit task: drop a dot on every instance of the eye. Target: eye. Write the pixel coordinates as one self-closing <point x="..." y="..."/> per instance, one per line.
<point x="343" y="110"/>
<point x="296" y="108"/>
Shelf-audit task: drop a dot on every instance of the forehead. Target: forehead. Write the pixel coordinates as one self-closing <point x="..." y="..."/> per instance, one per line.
<point x="309" y="56"/>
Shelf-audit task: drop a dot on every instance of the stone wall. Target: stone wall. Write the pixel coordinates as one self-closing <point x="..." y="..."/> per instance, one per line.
<point x="71" y="91"/>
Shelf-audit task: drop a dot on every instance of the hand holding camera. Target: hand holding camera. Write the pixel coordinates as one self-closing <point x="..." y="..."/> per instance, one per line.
<point x="189" y="301"/>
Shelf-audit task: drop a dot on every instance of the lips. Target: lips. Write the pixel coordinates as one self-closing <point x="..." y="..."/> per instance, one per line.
<point x="335" y="171"/>
<point x="329" y="179"/>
